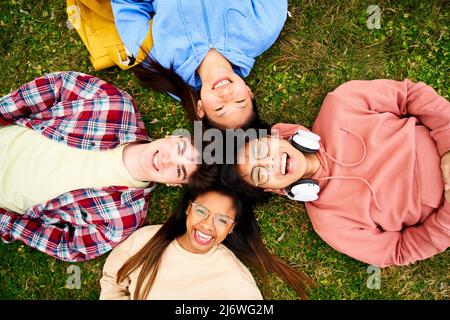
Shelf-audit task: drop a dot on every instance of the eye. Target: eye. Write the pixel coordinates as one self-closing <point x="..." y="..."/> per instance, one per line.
<point x="201" y="211"/>
<point x="223" y="220"/>
<point x="259" y="175"/>
<point x="178" y="172"/>
<point x="220" y="108"/>
<point x="181" y="147"/>
<point x="255" y="175"/>
<point x="241" y="101"/>
<point x="263" y="150"/>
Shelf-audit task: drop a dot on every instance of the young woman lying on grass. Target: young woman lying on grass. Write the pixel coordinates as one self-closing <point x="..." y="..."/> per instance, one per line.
<point x="77" y="167"/>
<point x="201" y="51"/>
<point x="374" y="171"/>
<point x="196" y="254"/>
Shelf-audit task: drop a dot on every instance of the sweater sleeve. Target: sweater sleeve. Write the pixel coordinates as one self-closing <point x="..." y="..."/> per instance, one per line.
<point x="403" y="98"/>
<point x="132" y="19"/>
<point x="386" y="248"/>
<point x="110" y="289"/>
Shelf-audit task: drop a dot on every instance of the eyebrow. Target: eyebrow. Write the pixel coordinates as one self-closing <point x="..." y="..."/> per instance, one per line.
<point x="218" y="213"/>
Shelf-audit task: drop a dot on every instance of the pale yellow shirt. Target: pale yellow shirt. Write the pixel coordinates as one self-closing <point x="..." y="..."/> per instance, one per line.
<point x="182" y="275"/>
<point x="35" y="169"/>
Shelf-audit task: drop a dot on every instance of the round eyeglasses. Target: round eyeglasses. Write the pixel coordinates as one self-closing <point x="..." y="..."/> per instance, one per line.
<point x="259" y="151"/>
<point x="220" y="221"/>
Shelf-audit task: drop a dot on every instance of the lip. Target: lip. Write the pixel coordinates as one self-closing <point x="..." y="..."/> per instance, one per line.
<point x="281" y="164"/>
<point x="291" y="165"/>
<point x="152" y="161"/>
<point x="201" y="241"/>
<point x="221" y="79"/>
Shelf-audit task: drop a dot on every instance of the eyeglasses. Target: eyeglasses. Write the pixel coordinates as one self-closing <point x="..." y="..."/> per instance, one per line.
<point x="220" y="221"/>
<point x="259" y="150"/>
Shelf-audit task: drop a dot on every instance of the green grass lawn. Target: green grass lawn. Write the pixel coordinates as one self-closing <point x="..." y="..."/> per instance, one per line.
<point x="324" y="44"/>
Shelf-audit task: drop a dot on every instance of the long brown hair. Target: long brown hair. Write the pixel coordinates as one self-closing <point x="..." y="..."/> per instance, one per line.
<point x="154" y="76"/>
<point x="245" y="242"/>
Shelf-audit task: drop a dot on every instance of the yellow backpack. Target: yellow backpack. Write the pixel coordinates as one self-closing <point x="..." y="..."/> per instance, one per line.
<point x="94" y="22"/>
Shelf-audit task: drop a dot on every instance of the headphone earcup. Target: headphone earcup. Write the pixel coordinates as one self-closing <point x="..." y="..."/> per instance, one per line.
<point x="305" y="141"/>
<point x="303" y="190"/>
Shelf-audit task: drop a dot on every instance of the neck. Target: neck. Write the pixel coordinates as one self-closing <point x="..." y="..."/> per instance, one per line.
<point x="136" y="161"/>
<point x="312" y="165"/>
<point x="212" y="62"/>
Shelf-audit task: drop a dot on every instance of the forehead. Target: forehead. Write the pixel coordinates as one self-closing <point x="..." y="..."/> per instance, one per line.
<point x="248" y="154"/>
<point x="217" y="203"/>
<point x="192" y="154"/>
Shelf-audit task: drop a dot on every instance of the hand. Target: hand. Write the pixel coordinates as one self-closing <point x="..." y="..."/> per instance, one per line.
<point x="445" y="167"/>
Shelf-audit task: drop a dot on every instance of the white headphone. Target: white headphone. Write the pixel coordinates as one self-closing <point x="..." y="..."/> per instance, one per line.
<point x="304" y="189"/>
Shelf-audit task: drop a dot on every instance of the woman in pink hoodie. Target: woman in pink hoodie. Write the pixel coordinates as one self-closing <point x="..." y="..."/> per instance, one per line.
<point x="374" y="172"/>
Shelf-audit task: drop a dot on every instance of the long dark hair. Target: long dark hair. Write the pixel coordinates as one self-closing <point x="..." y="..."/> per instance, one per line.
<point x="245" y="242"/>
<point x="154" y="76"/>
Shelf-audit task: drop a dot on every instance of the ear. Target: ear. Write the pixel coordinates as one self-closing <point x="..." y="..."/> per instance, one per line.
<point x="200" y="110"/>
<point x="277" y="191"/>
<point x="188" y="208"/>
<point x="250" y="92"/>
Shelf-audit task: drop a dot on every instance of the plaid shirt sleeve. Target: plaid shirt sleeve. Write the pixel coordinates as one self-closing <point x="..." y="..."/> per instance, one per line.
<point x="80" y="225"/>
<point x="45" y="92"/>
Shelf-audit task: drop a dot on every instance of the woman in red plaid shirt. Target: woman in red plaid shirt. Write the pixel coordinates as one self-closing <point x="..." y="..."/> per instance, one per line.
<point x="77" y="166"/>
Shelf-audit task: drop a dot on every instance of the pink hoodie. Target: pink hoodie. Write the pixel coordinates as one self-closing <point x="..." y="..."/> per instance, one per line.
<point x="381" y="198"/>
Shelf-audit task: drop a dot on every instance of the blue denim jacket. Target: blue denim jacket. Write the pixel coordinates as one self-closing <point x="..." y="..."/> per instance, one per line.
<point x="184" y="31"/>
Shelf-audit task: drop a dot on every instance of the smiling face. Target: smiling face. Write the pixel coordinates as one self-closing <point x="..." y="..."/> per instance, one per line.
<point x="225" y="99"/>
<point x="271" y="163"/>
<point x="210" y="218"/>
<point x="170" y="160"/>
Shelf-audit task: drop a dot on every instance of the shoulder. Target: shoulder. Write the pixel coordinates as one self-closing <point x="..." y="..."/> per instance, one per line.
<point x="237" y="274"/>
<point x="226" y="256"/>
<point x="140" y="237"/>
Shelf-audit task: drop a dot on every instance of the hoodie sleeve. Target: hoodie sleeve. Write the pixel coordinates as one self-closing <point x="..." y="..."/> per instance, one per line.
<point x="132" y="20"/>
<point x="403" y="98"/>
<point x="385" y="248"/>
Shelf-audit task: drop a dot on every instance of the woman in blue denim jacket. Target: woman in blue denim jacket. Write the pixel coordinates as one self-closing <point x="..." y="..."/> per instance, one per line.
<point x="208" y="45"/>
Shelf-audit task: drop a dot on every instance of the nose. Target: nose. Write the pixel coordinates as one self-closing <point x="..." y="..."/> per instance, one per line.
<point x="165" y="161"/>
<point x="268" y="163"/>
<point x="208" y="223"/>
<point x="226" y="93"/>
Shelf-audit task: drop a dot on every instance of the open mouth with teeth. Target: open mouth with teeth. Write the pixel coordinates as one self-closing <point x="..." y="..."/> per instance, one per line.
<point x="285" y="164"/>
<point x="202" y="238"/>
<point x="155" y="161"/>
<point x="221" y="83"/>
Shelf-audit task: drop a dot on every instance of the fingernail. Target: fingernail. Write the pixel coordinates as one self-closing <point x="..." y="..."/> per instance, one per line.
<point x="447" y="186"/>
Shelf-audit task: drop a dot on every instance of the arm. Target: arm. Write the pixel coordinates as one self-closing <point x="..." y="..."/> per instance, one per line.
<point x="386" y="248"/>
<point x="46" y="91"/>
<point x="403" y="98"/>
<point x="132" y="20"/>
<point x="78" y="231"/>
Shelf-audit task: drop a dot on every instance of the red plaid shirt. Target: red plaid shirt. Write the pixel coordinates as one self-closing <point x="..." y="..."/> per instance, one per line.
<point x="84" y="112"/>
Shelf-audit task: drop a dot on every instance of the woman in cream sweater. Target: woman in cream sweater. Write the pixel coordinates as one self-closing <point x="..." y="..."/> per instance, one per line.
<point x="196" y="254"/>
